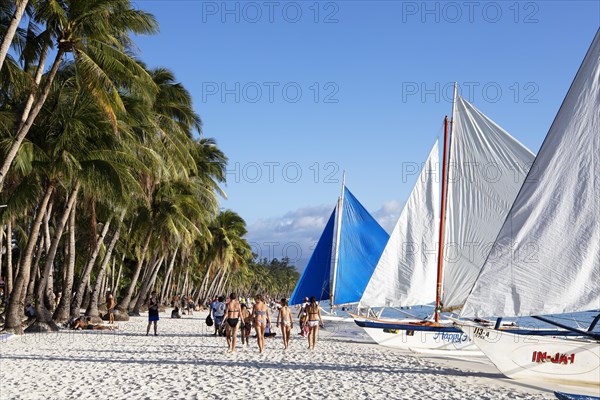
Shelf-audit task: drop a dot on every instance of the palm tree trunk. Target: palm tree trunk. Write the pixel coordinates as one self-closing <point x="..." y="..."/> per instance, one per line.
<point x="148" y="267"/>
<point x="223" y="283"/>
<point x="24" y="129"/>
<point x="124" y="304"/>
<point x="47" y="236"/>
<point x="204" y="284"/>
<point x="9" y="266"/>
<point x="62" y="311"/>
<point x="101" y="291"/>
<point x="166" y="292"/>
<point x="16" y="305"/>
<point x="92" y="310"/>
<point x="197" y="296"/>
<point x="36" y="83"/>
<point x="1" y="247"/>
<point x="49" y="296"/>
<point x="42" y="314"/>
<point x="118" y="281"/>
<point x="85" y="277"/>
<point x="12" y="29"/>
<point x="112" y="276"/>
<point x="214" y="284"/>
<point x="172" y="288"/>
<point x="163" y="291"/>
<point x="47" y="240"/>
<point x="185" y="281"/>
<point x="87" y="291"/>
<point x="178" y="287"/>
<point x="154" y="277"/>
<point x="35" y="276"/>
<point x="151" y="272"/>
<point x="147" y="284"/>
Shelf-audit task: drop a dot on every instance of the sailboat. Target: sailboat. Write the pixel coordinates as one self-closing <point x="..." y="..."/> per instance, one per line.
<point x="345" y="255"/>
<point x="482" y="171"/>
<point x="546" y="257"/>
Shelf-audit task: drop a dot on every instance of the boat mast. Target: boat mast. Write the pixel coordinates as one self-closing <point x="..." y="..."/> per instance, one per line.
<point x="336" y="244"/>
<point x="445" y="162"/>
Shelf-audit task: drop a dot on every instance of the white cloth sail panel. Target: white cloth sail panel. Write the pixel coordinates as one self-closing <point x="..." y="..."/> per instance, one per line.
<point x="546" y="259"/>
<point x="406" y="272"/>
<point x="487" y="167"/>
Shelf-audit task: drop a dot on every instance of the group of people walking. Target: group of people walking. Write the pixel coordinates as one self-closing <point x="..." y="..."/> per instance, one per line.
<point x="233" y="316"/>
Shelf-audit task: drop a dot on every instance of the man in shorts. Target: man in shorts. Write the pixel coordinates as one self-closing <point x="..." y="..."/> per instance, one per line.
<point x="218" y="311"/>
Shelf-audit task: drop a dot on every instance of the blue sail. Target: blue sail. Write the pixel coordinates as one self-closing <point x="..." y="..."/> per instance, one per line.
<point x="362" y="241"/>
<point x="315" y="278"/>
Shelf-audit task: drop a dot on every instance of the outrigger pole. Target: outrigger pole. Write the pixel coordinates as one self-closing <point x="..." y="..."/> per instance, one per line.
<point x="569" y="328"/>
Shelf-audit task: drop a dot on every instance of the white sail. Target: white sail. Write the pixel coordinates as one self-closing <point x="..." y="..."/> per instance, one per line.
<point x="486" y="169"/>
<point x="406" y="271"/>
<point x="546" y="259"/>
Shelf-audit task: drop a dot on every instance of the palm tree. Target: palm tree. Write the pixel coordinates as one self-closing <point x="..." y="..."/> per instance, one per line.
<point x="96" y="34"/>
<point x="11" y="28"/>
<point x="228" y="251"/>
<point x="112" y="143"/>
<point x="80" y="152"/>
<point x="177" y="198"/>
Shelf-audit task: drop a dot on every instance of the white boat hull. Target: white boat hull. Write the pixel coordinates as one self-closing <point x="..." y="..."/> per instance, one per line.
<point x="334" y="318"/>
<point x="421" y="341"/>
<point x="529" y="357"/>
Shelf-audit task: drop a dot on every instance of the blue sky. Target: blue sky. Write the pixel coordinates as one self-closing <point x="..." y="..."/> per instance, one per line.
<point x="297" y="92"/>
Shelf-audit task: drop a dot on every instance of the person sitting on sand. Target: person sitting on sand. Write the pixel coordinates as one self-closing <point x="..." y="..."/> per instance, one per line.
<point x="269" y="333"/>
<point x="86" y="323"/>
<point x="314" y="320"/>
<point x="260" y="314"/>
<point x="233" y="313"/>
<point x="30" y="310"/>
<point x="285" y="322"/>
<point x="175" y="313"/>
<point x="79" y="323"/>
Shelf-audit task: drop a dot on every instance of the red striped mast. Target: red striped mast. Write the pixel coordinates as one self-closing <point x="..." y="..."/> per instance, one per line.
<point x="438" y="294"/>
<point x="445" y="161"/>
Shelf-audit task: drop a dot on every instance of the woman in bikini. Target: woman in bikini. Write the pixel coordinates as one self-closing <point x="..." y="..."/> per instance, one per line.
<point x="284" y="321"/>
<point x="233" y="313"/>
<point x="260" y="314"/>
<point x="314" y="320"/>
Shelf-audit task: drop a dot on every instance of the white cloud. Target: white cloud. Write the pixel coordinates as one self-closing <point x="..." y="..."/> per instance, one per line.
<point x="388" y="214"/>
<point x="292" y="235"/>
<point x="295" y="234"/>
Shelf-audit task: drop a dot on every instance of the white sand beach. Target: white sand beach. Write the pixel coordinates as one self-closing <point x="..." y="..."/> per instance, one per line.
<point x="186" y="362"/>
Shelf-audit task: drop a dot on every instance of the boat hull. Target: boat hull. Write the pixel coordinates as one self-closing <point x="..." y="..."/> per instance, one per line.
<point x="530" y="357"/>
<point x="569" y="396"/>
<point x="405" y="334"/>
